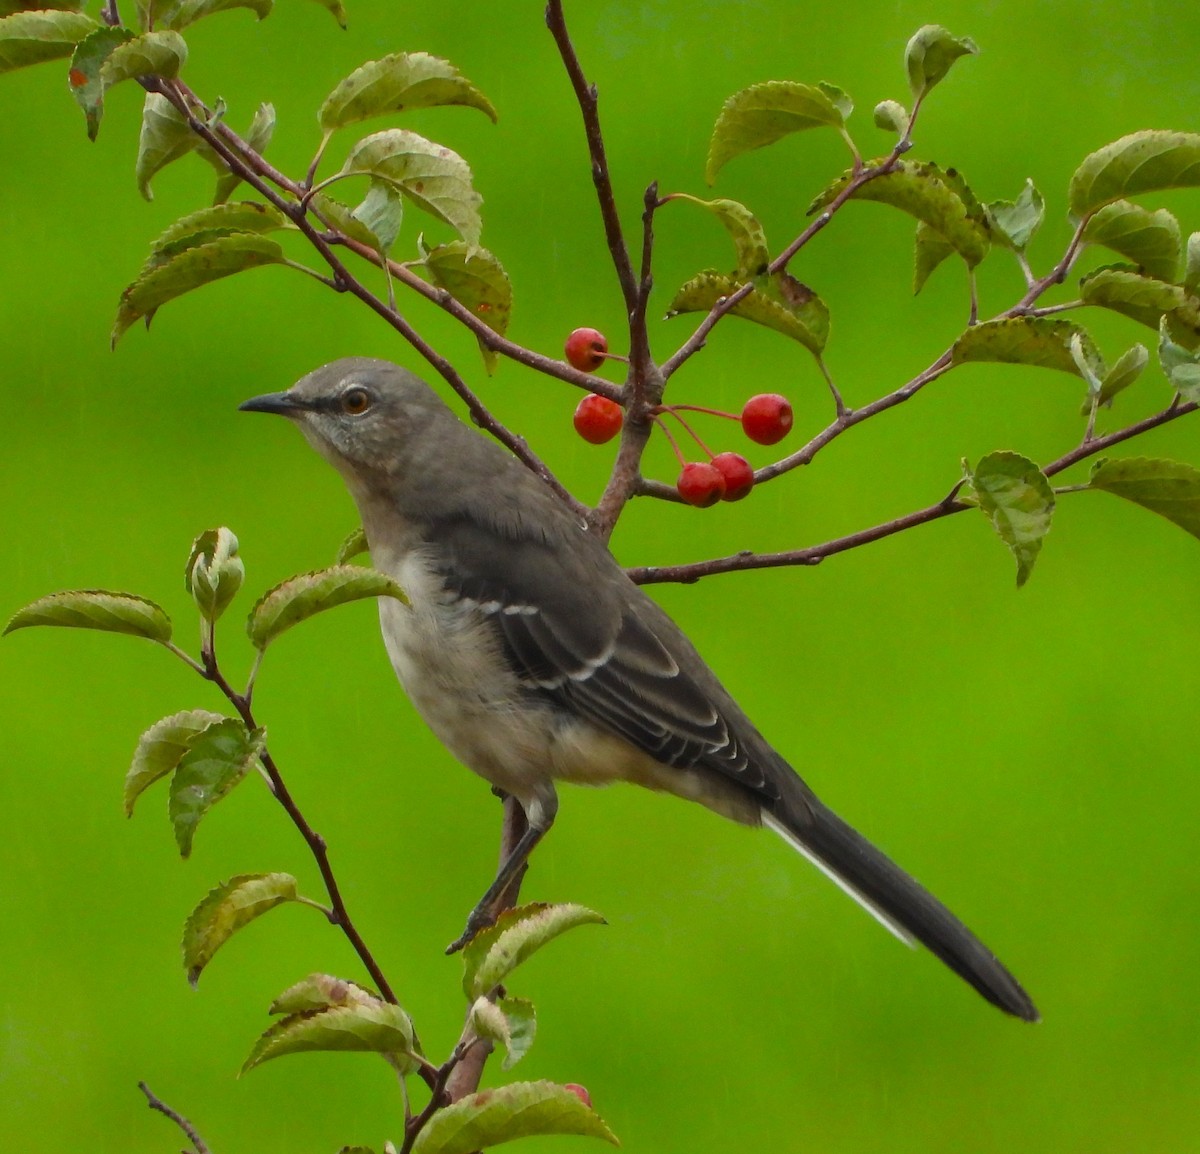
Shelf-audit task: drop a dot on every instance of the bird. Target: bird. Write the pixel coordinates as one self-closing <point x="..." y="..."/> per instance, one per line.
<point x="534" y="658"/>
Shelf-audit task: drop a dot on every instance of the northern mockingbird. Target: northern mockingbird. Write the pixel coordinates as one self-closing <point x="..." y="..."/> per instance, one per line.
<point x="534" y="658"/>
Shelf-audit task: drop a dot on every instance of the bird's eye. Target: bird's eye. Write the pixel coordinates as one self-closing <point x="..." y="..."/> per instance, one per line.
<point x="356" y="401"/>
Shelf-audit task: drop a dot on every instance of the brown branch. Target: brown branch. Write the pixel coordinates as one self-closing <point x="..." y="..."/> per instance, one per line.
<point x="156" y="1103"/>
<point x="588" y="100"/>
<point x="815" y="554"/>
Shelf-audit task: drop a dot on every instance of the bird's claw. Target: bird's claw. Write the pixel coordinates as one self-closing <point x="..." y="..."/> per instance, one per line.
<point x="479" y="920"/>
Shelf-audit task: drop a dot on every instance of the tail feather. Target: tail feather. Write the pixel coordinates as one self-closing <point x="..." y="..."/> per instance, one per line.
<point x="900" y="903"/>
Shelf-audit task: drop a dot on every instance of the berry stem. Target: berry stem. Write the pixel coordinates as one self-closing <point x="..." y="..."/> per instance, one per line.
<point x="670" y="437"/>
<point x="698" y="409"/>
<point x="673" y="410"/>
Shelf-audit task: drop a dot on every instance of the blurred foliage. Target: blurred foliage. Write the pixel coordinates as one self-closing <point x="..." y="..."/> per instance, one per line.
<point x="1021" y="752"/>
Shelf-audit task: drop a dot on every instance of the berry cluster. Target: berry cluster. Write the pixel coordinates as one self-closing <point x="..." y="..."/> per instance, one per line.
<point x="766" y="419"/>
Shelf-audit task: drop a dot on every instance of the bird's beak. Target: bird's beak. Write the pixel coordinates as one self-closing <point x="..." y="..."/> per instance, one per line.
<point x="284" y="404"/>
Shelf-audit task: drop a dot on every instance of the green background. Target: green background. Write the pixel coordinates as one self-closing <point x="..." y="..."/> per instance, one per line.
<point x="1031" y="755"/>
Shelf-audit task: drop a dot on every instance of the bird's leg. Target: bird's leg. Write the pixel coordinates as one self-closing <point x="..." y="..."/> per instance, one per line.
<point x="512" y="867"/>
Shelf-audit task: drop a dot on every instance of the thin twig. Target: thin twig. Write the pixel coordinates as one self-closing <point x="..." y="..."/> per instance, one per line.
<point x="156" y="1103"/>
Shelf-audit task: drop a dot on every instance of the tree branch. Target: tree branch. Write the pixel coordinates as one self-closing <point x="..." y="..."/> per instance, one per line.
<point x="156" y="1103"/>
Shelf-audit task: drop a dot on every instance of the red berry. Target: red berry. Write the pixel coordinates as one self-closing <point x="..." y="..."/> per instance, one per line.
<point x="700" y="484"/>
<point x="597" y="419"/>
<point x="767" y="418"/>
<point x="580" y="1092"/>
<point x="739" y="477"/>
<point x="585" y="349"/>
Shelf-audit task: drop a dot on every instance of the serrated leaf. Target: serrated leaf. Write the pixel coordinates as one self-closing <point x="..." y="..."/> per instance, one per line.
<point x="225" y="910"/>
<point x="341" y="216"/>
<point x="165" y="137"/>
<point x="336" y="9"/>
<point x="522" y="1028"/>
<point x="749" y="240"/>
<point x="1169" y="488"/>
<point x="319" y="991"/>
<point x="96" y="609"/>
<point x="210" y="223"/>
<point x="363" y="1027"/>
<point x="1015" y="221"/>
<point x="488" y="1021"/>
<point x="397" y="83"/>
<point x="500" y="949"/>
<point x="1141" y="162"/>
<point x="1128" y="368"/>
<point x="764" y="113"/>
<point x="1151" y="240"/>
<point x="381" y="214"/>
<point x="938" y="197"/>
<point x="33" y="37"/>
<point x="930" y="54"/>
<point x="1037" y="341"/>
<point x="258" y="136"/>
<point x="151" y="54"/>
<point x="1191" y="270"/>
<point x="794" y="310"/>
<point x="518" y="1110"/>
<point x="891" y="116"/>
<point x="354" y="544"/>
<point x="214" y="571"/>
<point x="307" y="594"/>
<point x="1124" y="290"/>
<point x="930" y="249"/>
<point x="83" y="78"/>
<point x="435" y="179"/>
<point x="477" y="280"/>
<point x="160" y="749"/>
<point x="1018" y="499"/>
<point x="1180" y="364"/>
<point x="8" y="7"/>
<point x="195" y="266"/>
<point x="216" y="761"/>
<point x="189" y="11"/>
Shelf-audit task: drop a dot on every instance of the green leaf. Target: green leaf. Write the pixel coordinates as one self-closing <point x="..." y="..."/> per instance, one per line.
<point x="749" y="240"/>
<point x="84" y="75"/>
<point x="258" y="136"/>
<point x="225" y="910"/>
<point x="214" y="572"/>
<point x="1180" y="364"/>
<point x="160" y="749"/>
<point x="32" y="37"/>
<point x="1124" y="290"/>
<point x="381" y="214"/>
<point x="930" y="250"/>
<point x="518" y="1110"/>
<point x="930" y="54"/>
<point x="435" y="179"/>
<point x="216" y="761"/>
<point x="165" y="137"/>
<point x="1141" y="162"/>
<point x="763" y="113"/>
<point x="1037" y="341"/>
<point x="1017" y="498"/>
<point x="891" y="116"/>
<point x="189" y="11"/>
<point x="1015" y="221"/>
<point x="477" y="280"/>
<point x="196" y="266"/>
<point x="95" y="609"/>
<point x="1169" y="488"/>
<point x="1127" y="370"/>
<point x="341" y="216"/>
<point x="210" y="223"/>
<point x="7" y="7"/>
<point x="782" y="304"/>
<point x="300" y="597"/>
<point x="352" y="546"/>
<point x="319" y="991"/>
<point x="151" y="54"/>
<point x="493" y="954"/>
<point x="397" y="83"/>
<point x="363" y="1026"/>
<point x="938" y="197"/>
<point x="336" y="9"/>
<point x="522" y="1027"/>
<point x="1191" y="272"/>
<point x="1151" y="240"/>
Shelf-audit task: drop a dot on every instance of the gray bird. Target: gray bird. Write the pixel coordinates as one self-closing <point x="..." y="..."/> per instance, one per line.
<point x="534" y="658"/>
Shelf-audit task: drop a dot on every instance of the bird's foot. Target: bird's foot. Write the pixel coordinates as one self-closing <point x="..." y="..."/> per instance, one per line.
<point x="481" y="918"/>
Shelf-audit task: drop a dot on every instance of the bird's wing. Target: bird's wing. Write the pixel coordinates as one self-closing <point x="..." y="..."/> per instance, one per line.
<point x="578" y="631"/>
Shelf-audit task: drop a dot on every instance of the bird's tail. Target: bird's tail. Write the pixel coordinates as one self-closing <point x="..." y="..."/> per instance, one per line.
<point x="905" y="907"/>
